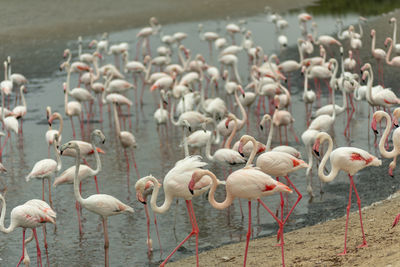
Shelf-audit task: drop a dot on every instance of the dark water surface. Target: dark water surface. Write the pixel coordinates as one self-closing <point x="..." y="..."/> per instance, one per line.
<point x="156" y="156"/>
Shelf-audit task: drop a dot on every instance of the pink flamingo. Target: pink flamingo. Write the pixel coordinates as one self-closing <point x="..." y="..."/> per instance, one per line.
<point x="256" y="184"/>
<point x="144" y="36"/>
<point x="175" y="184"/>
<point x="20" y="111"/>
<point x="394" y="61"/>
<point x="32" y="214"/>
<point x="350" y="160"/>
<point x="377" y="117"/>
<point x="126" y="139"/>
<point x="46" y="168"/>
<point x="283" y="118"/>
<point x="378" y="53"/>
<point x="67" y="176"/>
<point x="10" y="123"/>
<point x="52" y="132"/>
<point x="148" y="190"/>
<point x="101" y="204"/>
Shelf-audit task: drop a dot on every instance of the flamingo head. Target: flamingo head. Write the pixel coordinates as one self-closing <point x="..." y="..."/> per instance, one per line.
<point x="396" y="115"/>
<point x="377" y="117"/>
<point x="92" y="43"/>
<point x="196" y="177"/>
<point x="144" y="187"/>
<point x="387" y="41"/>
<point x="48" y="112"/>
<point x="99" y="134"/>
<point x="316" y="146"/>
<point x="65" y="87"/>
<point x="240" y="88"/>
<point x="276" y="101"/>
<point x="66" y="53"/>
<point x="243" y="141"/>
<point x="229" y="118"/>
<point x="70" y="144"/>
<point x="266" y="117"/>
<point x="392" y="20"/>
<point x="373" y="32"/>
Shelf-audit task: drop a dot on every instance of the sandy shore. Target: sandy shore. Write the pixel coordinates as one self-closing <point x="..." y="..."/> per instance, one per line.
<point x="319" y="245"/>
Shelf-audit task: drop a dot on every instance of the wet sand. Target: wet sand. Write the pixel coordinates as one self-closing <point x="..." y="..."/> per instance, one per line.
<point x="319" y="245"/>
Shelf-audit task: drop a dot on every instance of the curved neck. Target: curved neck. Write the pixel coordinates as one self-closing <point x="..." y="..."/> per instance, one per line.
<point x="2" y="217"/>
<point x="242" y="110"/>
<point x="61" y="123"/>
<point x="270" y="134"/>
<point x="373" y="44"/>
<point x="235" y="71"/>
<point x="185" y="144"/>
<point x="2" y="106"/>
<point x="388" y="61"/>
<point x="96" y="69"/>
<point x="218" y="205"/>
<point x="370" y="77"/>
<point x="22" y="96"/>
<point x="67" y="89"/>
<point x="171" y="114"/>
<point x="153" y="201"/>
<point x="300" y="52"/>
<point x="384" y="152"/>
<point x="334" y="169"/>
<point x="96" y="155"/>
<point x="76" y="179"/>
<point x="59" y="163"/>
<point x="116" y="119"/>
<point x="208" y="148"/>
<point x="233" y="133"/>
<point x="253" y="152"/>
<point x="361" y="29"/>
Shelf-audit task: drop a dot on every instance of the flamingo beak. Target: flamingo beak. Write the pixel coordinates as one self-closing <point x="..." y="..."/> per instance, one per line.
<point x="240" y="149"/>
<point x="261" y="127"/>
<point x="373" y="126"/>
<point x="140" y="198"/>
<point x="191" y="186"/>
<point x="316" y="147"/>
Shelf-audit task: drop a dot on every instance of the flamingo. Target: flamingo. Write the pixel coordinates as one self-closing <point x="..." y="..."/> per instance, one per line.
<point x="349" y="62"/>
<point x="248" y="183"/>
<point x="52" y="132"/>
<point x="350" y="160"/>
<point x="393" y="21"/>
<point x="210" y="37"/>
<point x="20" y="111"/>
<point x="67" y="176"/>
<point x="29" y="215"/>
<point x="277" y="164"/>
<point x="308" y="139"/>
<point x="308" y="95"/>
<point x="126" y="139"/>
<point x="46" y="168"/>
<point x="148" y="190"/>
<point x="283" y="118"/>
<point x="378" y="53"/>
<point x="226" y="155"/>
<point x="394" y="61"/>
<point x="287" y="149"/>
<point x="15" y="78"/>
<point x="175" y="184"/>
<point x="143" y="36"/>
<point x="325" y="40"/>
<point x="377" y="117"/>
<point x="10" y="123"/>
<point x="101" y="204"/>
<point x="161" y="115"/>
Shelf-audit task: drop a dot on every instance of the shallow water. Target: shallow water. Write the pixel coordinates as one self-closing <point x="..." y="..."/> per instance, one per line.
<point x="156" y="155"/>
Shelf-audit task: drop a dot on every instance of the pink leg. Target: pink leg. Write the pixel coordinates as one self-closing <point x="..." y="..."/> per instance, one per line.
<point x="247" y="236"/>
<point x="364" y="244"/>
<point x="39" y="254"/>
<point x="158" y="235"/>
<point x="195" y="231"/>
<point x="299" y="197"/>
<point x="79" y="218"/>
<point x="347" y="222"/>
<point x="134" y="163"/>
<point x="23" y="246"/>
<point x="280" y="225"/>
<point x="106" y="242"/>
<point x="73" y="128"/>
<point x="149" y="242"/>
<point x="127" y="167"/>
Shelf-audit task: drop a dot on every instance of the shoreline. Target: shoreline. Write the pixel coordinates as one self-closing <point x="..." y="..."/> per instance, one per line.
<point x="320" y="244"/>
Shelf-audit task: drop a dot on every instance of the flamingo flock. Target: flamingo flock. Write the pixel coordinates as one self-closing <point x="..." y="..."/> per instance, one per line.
<point x="213" y="103"/>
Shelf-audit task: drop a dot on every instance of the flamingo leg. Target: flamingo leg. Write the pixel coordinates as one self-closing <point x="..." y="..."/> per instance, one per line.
<point x="158" y="235"/>
<point x="280" y="225"/>
<point x="50" y="200"/>
<point x="127" y="167"/>
<point x="247" y="236"/>
<point x="23" y="246"/>
<point x="106" y="242"/>
<point x="73" y="128"/>
<point x="195" y="231"/>
<point x="149" y="242"/>
<point x="79" y="218"/>
<point x="364" y="244"/>
<point x="134" y="164"/>
<point x="299" y="197"/>
<point x="39" y="254"/>
<point x="347" y="221"/>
